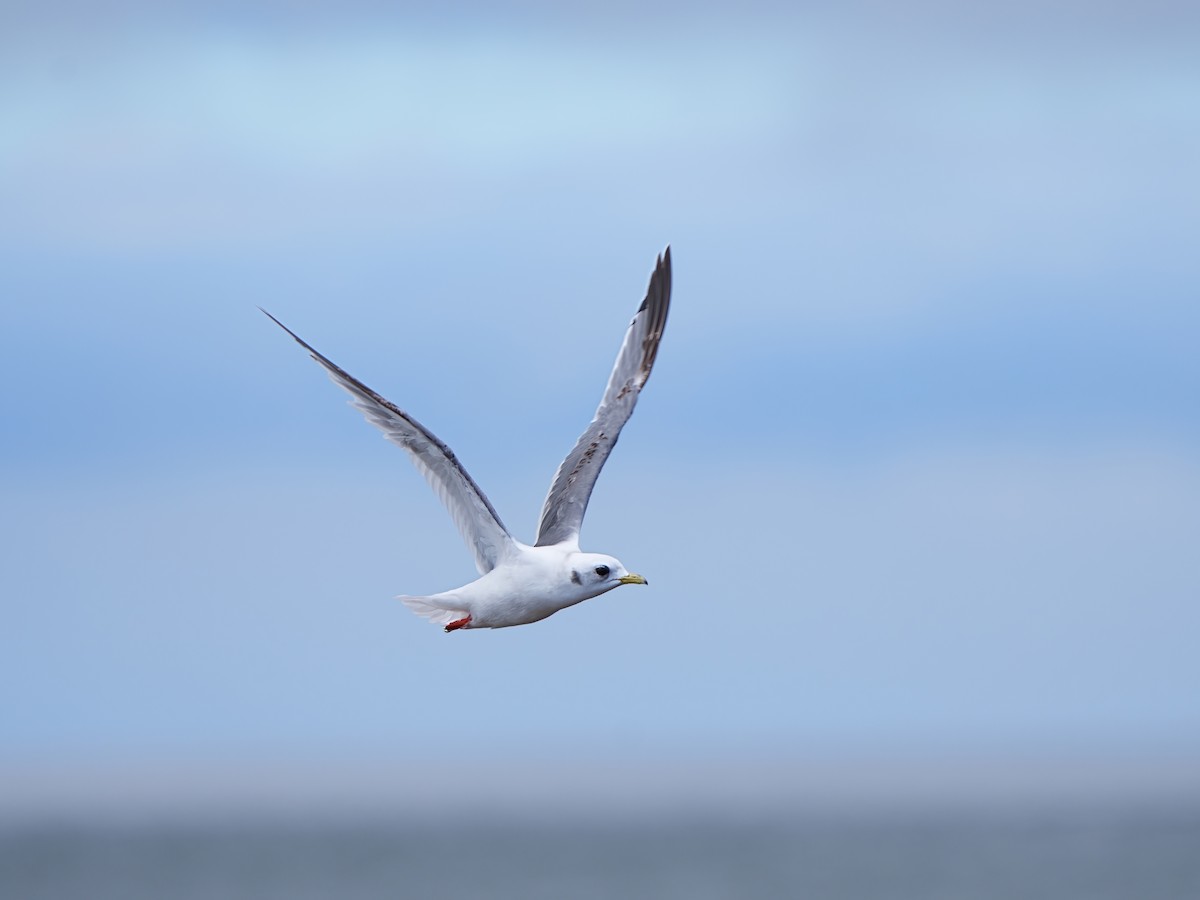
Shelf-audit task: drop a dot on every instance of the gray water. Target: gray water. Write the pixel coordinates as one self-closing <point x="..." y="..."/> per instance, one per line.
<point x="1133" y="855"/>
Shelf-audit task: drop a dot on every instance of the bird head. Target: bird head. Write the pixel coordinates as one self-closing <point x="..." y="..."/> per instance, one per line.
<point x="597" y="573"/>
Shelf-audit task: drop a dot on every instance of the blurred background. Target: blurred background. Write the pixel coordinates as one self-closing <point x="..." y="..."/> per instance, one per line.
<point x="916" y="482"/>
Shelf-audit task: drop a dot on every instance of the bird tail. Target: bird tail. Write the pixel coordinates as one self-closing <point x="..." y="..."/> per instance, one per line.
<point x="432" y="608"/>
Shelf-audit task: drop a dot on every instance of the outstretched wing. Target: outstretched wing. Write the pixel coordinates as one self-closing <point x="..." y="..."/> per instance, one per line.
<point x="562" y="513"/>
<point x="473" y="514"/>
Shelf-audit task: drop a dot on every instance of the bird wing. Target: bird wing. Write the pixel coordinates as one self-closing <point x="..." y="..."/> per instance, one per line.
<point x="567" y="500"/>
<point x="471" y="510"/>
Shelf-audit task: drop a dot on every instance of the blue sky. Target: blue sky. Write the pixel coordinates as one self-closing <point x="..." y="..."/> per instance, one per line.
<point x="917" y="471"/>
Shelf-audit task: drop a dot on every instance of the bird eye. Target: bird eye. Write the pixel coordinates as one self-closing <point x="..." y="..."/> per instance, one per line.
<point x="602" y="571"/>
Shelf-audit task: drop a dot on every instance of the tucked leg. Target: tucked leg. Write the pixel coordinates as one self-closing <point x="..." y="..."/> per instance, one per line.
<point x="457" y="624"/>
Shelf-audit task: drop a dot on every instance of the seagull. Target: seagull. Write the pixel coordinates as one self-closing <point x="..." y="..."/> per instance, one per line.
<point x="522" y="583"/>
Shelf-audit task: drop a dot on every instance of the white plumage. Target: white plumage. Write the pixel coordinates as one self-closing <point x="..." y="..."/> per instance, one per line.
<point x="521" y="583"/>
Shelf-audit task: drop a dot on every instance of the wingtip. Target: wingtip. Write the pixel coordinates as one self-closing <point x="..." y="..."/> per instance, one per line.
<point x="660" y="280"/>
<point x="664" y="259"/>
<point x="293" y="334"/>
<point x="273" y="319"/>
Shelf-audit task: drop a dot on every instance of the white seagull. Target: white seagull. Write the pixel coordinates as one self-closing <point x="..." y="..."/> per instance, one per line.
<point x="519" y="583"/>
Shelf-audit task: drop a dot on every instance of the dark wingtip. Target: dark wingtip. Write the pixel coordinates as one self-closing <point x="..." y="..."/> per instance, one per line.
<point x="666" y="267"/>
<point x="299" y="340"/>
<point x="660" y="279"/>
<point x="277" y="322"/>
<point x="658" y="301"/>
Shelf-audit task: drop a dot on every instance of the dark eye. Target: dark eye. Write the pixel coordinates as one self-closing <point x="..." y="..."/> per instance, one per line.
<point x="602" y="571"/>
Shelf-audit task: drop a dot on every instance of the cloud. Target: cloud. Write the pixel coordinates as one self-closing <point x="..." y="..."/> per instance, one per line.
<point x="832" y="132"/>
<point x="182" y="137"/>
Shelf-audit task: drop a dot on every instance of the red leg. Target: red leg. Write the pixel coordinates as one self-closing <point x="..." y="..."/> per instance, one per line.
<point x="457" y="624"/>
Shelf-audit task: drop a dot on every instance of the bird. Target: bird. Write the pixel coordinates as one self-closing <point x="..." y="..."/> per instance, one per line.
<point x="524" y="583"/>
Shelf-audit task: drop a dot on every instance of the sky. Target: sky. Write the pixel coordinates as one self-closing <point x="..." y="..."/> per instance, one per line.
<point x="916" y="479"/>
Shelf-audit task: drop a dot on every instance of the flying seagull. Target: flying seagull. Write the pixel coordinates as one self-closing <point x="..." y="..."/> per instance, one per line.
<point x="522" y="583"/>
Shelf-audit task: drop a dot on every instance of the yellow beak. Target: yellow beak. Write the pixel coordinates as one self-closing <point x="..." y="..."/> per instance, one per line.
<point x="632" y="579"/>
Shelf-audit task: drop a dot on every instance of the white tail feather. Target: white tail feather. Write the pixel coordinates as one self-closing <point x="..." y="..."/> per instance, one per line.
<point x="427" y="607"/>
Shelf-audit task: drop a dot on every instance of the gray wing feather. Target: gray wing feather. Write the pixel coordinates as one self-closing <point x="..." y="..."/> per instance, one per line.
<point x="470" y="509"/>
<point x="566" y="502"/>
